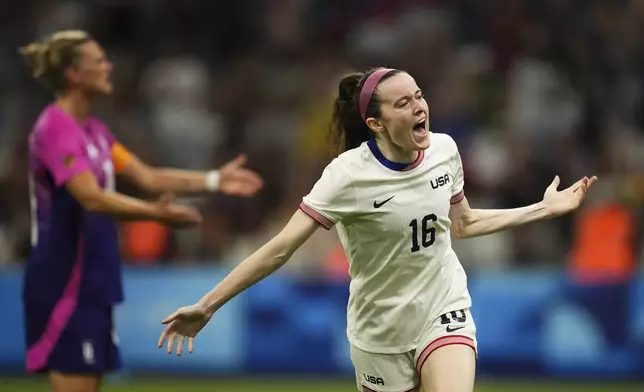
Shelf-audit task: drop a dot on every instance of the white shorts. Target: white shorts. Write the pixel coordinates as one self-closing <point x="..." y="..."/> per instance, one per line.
<point x="401" y="372"/>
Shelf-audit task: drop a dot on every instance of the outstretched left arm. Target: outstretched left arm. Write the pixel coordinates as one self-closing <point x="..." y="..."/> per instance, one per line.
<point x="231" y="179"/>
<point x="468" y="222"/>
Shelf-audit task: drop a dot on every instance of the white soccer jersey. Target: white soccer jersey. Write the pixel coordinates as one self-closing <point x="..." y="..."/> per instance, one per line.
<point x="393" y="221"/>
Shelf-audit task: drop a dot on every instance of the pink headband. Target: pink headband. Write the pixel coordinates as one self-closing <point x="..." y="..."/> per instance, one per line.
<point x="369" y="87"/>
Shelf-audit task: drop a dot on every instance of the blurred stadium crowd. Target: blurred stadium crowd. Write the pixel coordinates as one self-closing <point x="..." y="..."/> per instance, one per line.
<point x="528" y="89"/>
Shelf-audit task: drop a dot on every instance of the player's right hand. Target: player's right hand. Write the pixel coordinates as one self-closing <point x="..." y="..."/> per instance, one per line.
<point x="185" y="322"/>
<point x="175" y="215"/>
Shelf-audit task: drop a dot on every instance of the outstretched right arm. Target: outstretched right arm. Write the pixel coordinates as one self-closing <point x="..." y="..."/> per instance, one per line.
<point x="266" y="260"/>
<point x="61" y="148"/>
<point x="331" y="199"/>
<point x="85" y="189"/>
<point x="187" y="321"/>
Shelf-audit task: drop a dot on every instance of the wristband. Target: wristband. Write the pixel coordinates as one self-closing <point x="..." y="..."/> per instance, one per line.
<point x="213" y="178"/>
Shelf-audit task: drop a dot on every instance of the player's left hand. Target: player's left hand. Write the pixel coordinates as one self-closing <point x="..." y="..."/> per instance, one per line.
<point x="185" y="322"/>
<point x="564" y="201"/>
<point x="238" y="181"/>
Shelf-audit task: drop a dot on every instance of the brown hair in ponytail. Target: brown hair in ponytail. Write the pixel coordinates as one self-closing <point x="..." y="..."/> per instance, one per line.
<point x="348" y="130"/>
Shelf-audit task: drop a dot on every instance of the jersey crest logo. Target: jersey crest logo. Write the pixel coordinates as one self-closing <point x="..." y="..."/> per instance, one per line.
<point x="440" y="181"/>
<point x="68" y="160"/>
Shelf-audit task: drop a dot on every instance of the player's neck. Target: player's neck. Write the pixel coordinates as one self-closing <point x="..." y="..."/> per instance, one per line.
<point x="395" y="153"/>
<point x="76" y="104"/>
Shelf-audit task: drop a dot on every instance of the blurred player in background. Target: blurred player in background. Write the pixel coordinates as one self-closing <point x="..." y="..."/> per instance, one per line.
<point x="73" y="276"/>
<point x="396" y="195"/>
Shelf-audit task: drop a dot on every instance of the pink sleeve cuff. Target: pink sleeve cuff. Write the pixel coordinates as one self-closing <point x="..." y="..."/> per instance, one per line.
<point x="321" y="219"/>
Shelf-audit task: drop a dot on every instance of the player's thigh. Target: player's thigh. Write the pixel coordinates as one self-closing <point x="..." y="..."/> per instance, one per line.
<point x="446" y="359"/>
<point x="450" y="368"/>
<point x="63" y="382"/>
<point x="85" y="351"/>
<point x="384" y="372"/>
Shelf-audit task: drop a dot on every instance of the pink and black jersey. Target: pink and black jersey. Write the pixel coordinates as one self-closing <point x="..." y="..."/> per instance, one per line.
<point x="75" y="255"/>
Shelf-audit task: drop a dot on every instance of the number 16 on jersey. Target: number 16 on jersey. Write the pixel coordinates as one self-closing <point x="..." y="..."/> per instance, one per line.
<point x="427" y="232"/>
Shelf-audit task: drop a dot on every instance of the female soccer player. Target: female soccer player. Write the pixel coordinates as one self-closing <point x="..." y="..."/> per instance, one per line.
<point x="396" y="194"/>
<point x="73" y="277"/>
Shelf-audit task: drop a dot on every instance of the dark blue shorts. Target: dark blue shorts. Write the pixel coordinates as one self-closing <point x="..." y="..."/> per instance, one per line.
<point x="71" y="338"/>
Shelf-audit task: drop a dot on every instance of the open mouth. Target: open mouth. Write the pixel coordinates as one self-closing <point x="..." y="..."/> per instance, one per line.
<point x="420" y="126"/>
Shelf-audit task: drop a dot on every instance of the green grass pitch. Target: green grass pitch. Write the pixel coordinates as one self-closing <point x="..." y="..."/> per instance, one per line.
<point x="303" y="385"/>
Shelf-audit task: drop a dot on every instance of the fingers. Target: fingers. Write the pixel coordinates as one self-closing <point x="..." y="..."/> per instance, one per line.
<point x="170" y="318"/>
<point x="180" y="345"/>
<point x="166" y="198"/>
<point x="195" y="216"/>
<point x="555" y="183"/>
<point x="240" y="160"/>
<point x="575" y="187"/>
<point x="585" y="182"/>
<point x="252" y="182"/>
<point x="181" y="217"/>
<point x="180" y="339"/>
<point x="171" y="340"/>
<point x="163" y="336"/>
<point x="580" y="188"/>
<point x="592" y="180"/>
<point x="583" y="188"/>
<point x="254" y="178"/>
<point x="580" y="184"/>
<point x="171" y="337"/>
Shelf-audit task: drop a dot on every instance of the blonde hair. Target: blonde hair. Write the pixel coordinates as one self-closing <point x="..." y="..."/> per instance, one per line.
<point x="49" y="59"/>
